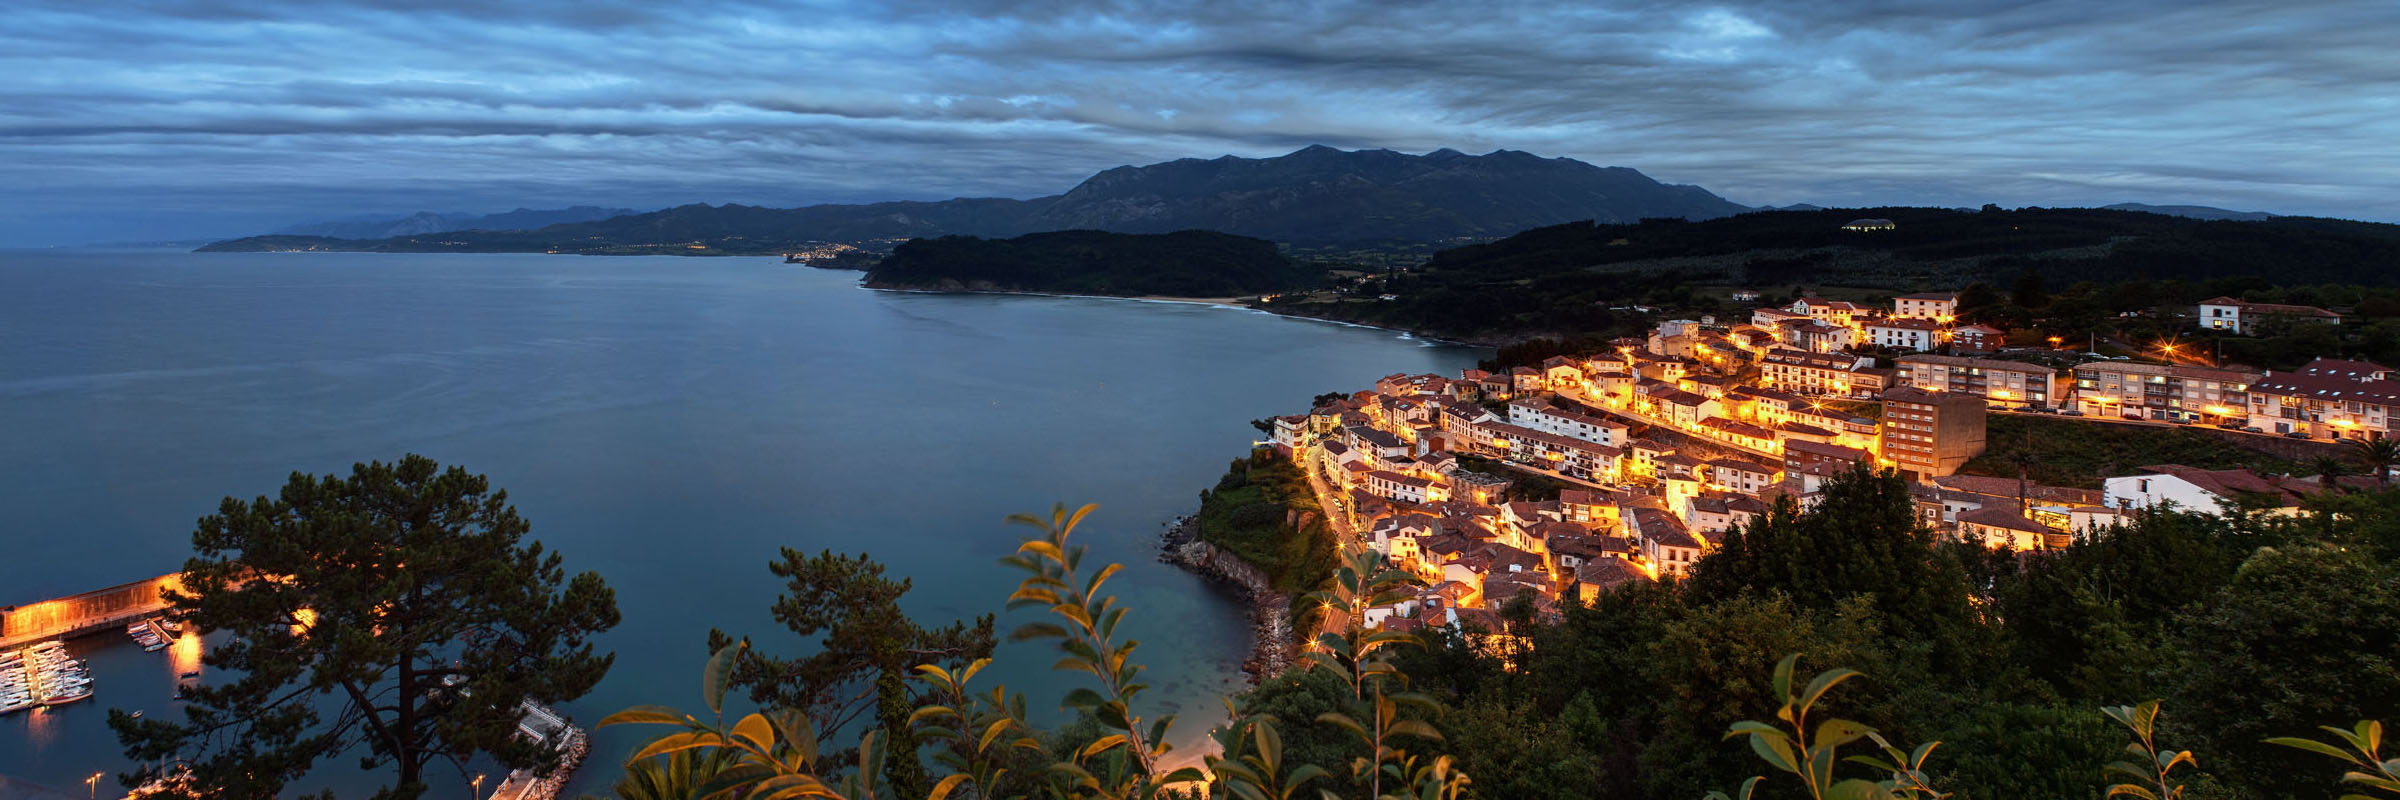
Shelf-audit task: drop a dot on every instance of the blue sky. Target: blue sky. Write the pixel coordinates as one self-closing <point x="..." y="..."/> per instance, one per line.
<point x="135" y="120"/>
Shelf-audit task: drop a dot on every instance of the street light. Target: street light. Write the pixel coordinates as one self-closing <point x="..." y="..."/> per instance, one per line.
<point x="478" y="794"/>
<point x="93" y="784"/>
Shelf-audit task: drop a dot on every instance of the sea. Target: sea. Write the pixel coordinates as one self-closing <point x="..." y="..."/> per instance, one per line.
<point x="669" y="422"/>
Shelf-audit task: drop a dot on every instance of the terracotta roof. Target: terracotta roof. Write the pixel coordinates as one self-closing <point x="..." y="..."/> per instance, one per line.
<point x="1951" y="296"/>
<point x="2000" y="517"/>
<point x="1994" y="486"/>
<point x="2221" y="482"/>
<point x="1605" y="573"/>
<point x="1979" y="329"/>
<point x="1737" y="428"/>
<point x="2359" y="370"/>
<point x="2328" y="387"/>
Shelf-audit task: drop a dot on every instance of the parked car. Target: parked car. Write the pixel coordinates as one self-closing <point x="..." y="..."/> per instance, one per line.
<point x="2069" y="412"/>
<point x="2296" y="435"/>
<point x="2254" y="429"/>
<point x="2231" y="426"/>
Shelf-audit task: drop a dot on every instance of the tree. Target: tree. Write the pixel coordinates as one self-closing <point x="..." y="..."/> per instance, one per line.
<point x="370" y="597"/>
<point x="2300" y="637"/>
<point x="2378" y="456"/>
<point x="865" y="658"/>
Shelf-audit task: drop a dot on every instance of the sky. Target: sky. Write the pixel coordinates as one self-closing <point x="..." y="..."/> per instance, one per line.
<point x="127" y="120"/>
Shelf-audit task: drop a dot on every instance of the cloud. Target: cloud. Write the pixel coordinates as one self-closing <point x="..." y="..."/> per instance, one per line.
<point x="263" y="113"/>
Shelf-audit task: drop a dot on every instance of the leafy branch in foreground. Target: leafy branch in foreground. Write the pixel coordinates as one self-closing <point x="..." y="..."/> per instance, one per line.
<point x="2154" y="764"/>
<point x="1812" y="757"/>
<point x="1363" y="582"/>
<point x="1088" y="641"/>
<point x="2365" y="752"/>
<point x="774" y="753"/>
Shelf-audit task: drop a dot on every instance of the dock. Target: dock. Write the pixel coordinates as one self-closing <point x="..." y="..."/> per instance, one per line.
<point x="76" y="615"/>
<point x="543" y="725"/>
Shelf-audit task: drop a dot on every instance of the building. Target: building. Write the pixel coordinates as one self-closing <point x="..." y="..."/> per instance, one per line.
<point x="1977" y="339"/>
<point x="1819" y="337"/>
<point x="1805" y="373"/>
<point x="2008" y="383"/>
<point x="2238" y="316"/>
<point x="1941" y="307"/>
<point x="1906" y="333"/>
<point x="1930" y="434"/>
<point x="1540" y="416"/>
<point x="2189" y="488"/>
<point x="2162" y="392"/>
<point x="2002" y="528"/>
<point x="2328" y="399"/>
<point x="1870" y="224"/>
<point x="1404" y="488"/>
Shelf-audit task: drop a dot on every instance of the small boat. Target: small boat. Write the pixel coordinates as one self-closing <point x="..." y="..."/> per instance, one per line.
<point x="14" y="706"/>
<point x="69" y="697"/>
<point x="171" y="626"/>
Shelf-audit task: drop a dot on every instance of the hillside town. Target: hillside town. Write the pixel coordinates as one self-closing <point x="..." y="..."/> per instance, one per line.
<point x="1665" y="444"/>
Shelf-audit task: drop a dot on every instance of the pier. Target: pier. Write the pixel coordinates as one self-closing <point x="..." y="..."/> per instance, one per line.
<point x="89" y="612"/>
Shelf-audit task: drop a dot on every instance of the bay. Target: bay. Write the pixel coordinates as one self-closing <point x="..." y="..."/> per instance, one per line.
<point x="667" y="422"/>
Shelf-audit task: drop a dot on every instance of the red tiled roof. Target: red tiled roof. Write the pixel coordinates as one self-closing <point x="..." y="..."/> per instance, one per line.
<point x="2001" y="517"/>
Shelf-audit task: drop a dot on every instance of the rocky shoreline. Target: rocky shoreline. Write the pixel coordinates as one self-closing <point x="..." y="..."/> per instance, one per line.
<point x="1271" y="647"/>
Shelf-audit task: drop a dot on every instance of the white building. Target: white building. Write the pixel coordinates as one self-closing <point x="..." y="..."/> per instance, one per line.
<point x="1936" y="306"/>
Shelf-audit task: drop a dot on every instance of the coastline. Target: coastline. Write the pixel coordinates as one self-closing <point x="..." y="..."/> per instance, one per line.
<point x="1239" y="303"/>
<point x="1272" y="649"/>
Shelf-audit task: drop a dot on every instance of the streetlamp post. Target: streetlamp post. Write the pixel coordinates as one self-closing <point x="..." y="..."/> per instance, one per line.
<point x="477" y="794"/>
<point x="93" y="785"/>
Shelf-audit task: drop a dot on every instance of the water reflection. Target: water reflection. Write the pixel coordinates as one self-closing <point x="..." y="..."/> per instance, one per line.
<point x="183" y="657"/>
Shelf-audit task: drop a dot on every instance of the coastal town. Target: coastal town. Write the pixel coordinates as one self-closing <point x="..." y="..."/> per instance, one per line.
<point x="1662" y="445"/>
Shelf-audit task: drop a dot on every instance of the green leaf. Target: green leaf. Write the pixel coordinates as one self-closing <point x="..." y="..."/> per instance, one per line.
<point x="2130" y="790"/>
<point x="1783" y="676"/>
<point x="1857" y="789"/>
<point x="675" y="742"/>
<point x="2310" y="745"/>
<point x="734" y="777"/>
<point x="1824" y="682"/>
<point x="645" y="715"/>
<point x="948" y="783"/>
<point x="797" y="729"/>
<point x="1776" y="750"/>
<point x="713" y="678"/>
<point x="1837" y="732"/>
<point x="757" y="731"/>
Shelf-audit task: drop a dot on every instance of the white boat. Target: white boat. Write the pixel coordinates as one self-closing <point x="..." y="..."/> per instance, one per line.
<point x="69" y="697"/>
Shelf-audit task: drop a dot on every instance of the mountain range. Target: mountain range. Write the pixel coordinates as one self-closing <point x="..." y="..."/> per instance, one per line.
<point x="2194" y="212"/>
<point x="1316" y="195"/>
<point x="424" y="222"/>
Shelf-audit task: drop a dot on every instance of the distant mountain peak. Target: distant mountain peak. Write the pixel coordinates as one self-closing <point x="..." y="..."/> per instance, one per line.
<point x="2194" y="212"/>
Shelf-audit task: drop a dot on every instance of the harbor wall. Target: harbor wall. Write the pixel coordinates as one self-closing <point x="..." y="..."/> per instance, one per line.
<point x="78" y="614"/>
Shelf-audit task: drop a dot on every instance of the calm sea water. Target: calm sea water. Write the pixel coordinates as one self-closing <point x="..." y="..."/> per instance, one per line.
<point x="667" y="422"/>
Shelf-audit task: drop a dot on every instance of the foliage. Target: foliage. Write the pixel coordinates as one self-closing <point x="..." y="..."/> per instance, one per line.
<point x="2153" y="766"/>
<point x="2075" y="453"/>
<point x="2298" y="636"/>
<point x="1130" y="760"/>
<point x="1264" y="511"/>
<point x="773" y="754"/>
<point x="369" y="597"/>
<point x="863" y="661"/>
<point x="1183" y="264"/>
<point x="1809" y="753"/>
<point x="2361" y="747"/>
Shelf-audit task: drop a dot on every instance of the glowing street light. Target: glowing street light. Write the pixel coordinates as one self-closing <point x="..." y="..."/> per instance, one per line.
<point x="93" y="784"/>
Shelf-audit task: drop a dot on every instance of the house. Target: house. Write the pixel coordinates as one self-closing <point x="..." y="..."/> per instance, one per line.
<point x="1391" y="485"/>
<point x="2002" y="528"/>
<point x="2190" y="488"/>
<point x="1906" y="333"/>
<point x="2328" y="399"/>
<point x="1806" y="373"/>
<point x="1740" y="434"/>
<point x="1977" y="339"/>
<point x="1740" y="477"/>
<point x="1745" y="296"/>
<point x="2243" y="317"/>
<point x="1525" y="380"/>
<point x="1683" y="409"/>
<point x="2163" y="392"/>
<point x="1667" y="544"/>
<point x="1592" y="578"/>
<point x="1870" y="224"/>
<point x="1941" y="307"/>
<point x="1292" y="432"/>
<point x="1819" y="337"/>
<point x="2006" y="383"/>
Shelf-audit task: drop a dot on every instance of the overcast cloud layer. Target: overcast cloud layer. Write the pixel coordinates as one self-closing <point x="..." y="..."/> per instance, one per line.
<point x="132" y="120"/>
